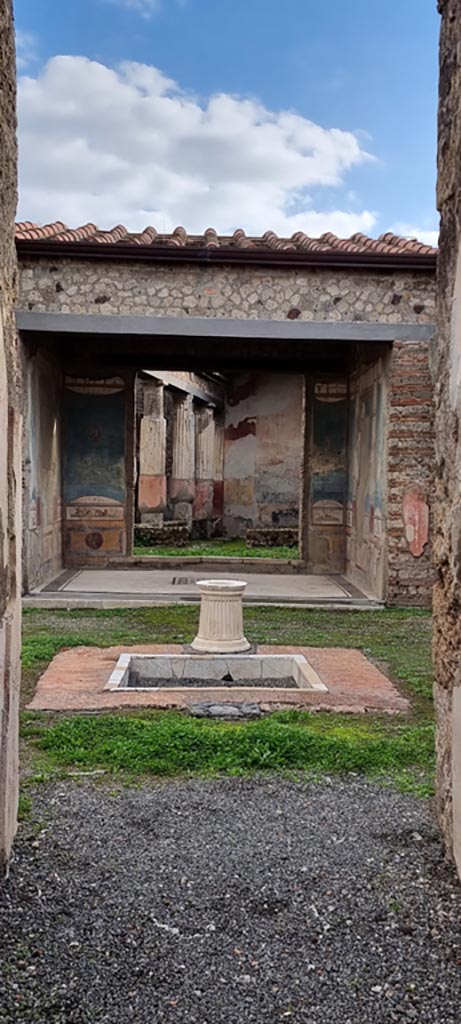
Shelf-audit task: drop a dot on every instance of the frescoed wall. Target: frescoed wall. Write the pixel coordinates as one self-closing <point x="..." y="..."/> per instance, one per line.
<point x="42" y="512"/>
<point x="95" y="484"/>
<point x="263" y="449"/>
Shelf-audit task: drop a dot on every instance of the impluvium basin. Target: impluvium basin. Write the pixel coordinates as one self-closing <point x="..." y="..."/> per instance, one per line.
<point x="175" y="671"/>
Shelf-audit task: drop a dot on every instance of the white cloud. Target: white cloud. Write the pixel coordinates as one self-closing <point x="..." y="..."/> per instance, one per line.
<point x="128" y="145"/>
<point x="430" y="236"/>
<point x="26" y="49"/>
<point x="146" y="8"/>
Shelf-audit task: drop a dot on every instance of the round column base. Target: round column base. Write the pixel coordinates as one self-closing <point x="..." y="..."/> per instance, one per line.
<point x="220" y="646"/>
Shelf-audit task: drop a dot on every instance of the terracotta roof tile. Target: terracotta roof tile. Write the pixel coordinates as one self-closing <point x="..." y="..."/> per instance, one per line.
<point x="240" y="240"/>
<point x="211" y="239"/>
<point x="328" y="243"/>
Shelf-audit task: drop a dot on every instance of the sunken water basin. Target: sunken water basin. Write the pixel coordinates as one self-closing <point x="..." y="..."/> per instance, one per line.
<point x="173" y="671"/>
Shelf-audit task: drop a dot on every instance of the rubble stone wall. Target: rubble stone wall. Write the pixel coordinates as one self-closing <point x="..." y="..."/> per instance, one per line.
<point x="446" y="368"/>
<point x="73" y="285"/>
<point x="10" y="451"/>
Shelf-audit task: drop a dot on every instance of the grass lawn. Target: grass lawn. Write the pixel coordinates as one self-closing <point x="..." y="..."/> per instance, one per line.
<point x="399" y="748"/>
<point x="218" y="549"/>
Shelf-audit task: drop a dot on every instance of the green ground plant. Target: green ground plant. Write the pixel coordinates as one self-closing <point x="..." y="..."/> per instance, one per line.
<point x="168" y="743"/>
<point x="218" y="549"/>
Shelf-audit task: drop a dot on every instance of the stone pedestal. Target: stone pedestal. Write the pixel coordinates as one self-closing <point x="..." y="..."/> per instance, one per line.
<point x="152" y="451"/>
<point x="183" y="469"/>
<point x="221" y="617"/>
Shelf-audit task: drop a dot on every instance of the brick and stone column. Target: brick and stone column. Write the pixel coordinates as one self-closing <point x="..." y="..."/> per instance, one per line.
<point x="152" y="451"/>
<point x="183" y="469"/>
<point x="410" y="467"/>
<point x="204" y="464"/>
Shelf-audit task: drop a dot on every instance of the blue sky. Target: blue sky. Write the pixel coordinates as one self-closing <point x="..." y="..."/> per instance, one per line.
<point x="255" y="113"/>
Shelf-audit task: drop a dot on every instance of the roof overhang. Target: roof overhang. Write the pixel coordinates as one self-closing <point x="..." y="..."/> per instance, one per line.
<point x="37" y="248"/>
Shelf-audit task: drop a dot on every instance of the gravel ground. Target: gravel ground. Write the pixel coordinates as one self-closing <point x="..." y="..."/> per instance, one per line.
<point x="229" y="902"/>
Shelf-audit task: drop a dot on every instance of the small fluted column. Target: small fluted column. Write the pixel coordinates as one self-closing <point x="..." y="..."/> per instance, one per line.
<point x="152" y="452"/>
<point x="221" y="617"/>
<point x="204" y="453"/>
<point x="183" y="470"/>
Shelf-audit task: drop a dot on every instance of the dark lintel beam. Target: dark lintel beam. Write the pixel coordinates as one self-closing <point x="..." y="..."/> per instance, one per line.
<point x="217" y="327"/>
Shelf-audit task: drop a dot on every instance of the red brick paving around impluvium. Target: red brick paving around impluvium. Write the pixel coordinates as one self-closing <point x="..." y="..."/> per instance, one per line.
<point x="75" y="681"/>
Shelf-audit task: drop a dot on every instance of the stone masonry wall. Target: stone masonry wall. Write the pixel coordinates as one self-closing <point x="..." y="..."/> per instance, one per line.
<point x="10" y="450"/>
<point x="410" y="471"/>
<point x="72" y="285"/>
<point x="446" y="367"/>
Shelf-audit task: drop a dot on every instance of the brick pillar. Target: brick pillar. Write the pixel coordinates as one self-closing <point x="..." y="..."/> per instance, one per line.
<point x="152" y="451"/>
<point x="410" y="475"/>
<point x="183" y="470"/>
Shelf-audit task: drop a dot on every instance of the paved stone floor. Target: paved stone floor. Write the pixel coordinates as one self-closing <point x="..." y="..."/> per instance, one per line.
<point x="140" y="586"/>
<point x="75" y="681"/>
<point x="229" y="901"/>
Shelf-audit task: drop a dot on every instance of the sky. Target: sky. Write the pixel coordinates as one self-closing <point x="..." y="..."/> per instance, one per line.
<point x="302" y="115"/>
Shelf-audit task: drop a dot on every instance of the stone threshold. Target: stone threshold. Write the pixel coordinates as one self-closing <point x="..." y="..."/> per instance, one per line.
<point x="58" y="599"/>
<point x="227" y="563"/>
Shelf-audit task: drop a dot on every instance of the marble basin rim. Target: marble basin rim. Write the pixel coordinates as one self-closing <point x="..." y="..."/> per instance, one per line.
<point x="209" y="670"/>
<point x="223" y="586"/>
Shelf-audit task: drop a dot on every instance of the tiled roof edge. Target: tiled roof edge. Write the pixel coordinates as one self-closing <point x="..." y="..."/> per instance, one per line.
<point x="89" y="241"/>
